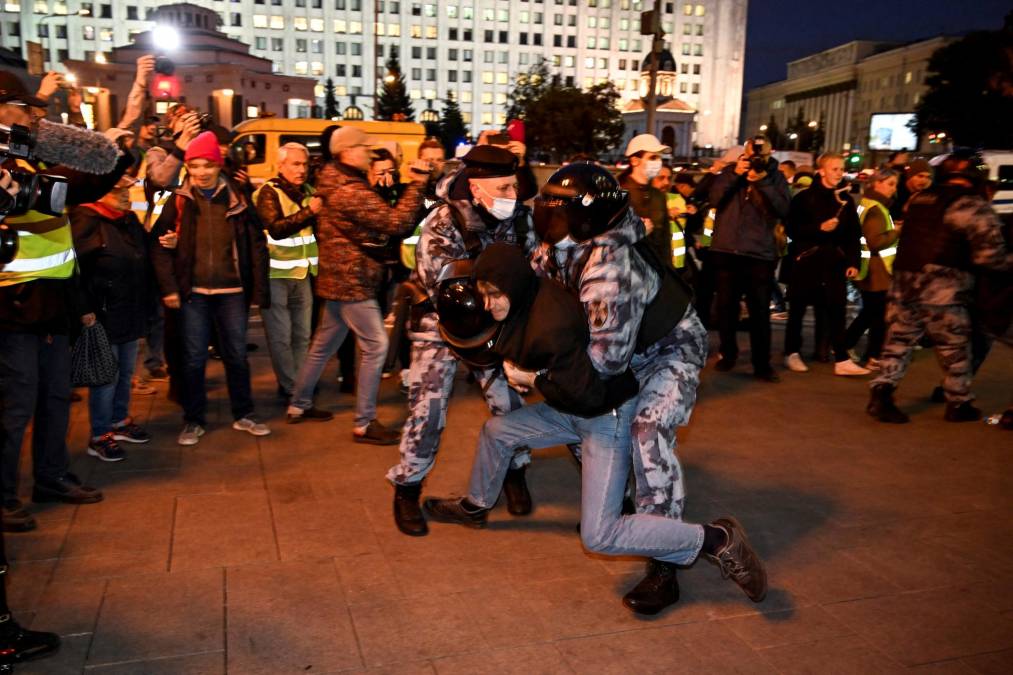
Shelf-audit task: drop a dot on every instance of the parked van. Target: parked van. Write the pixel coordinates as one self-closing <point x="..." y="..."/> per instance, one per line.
<point x="257" y="141"/>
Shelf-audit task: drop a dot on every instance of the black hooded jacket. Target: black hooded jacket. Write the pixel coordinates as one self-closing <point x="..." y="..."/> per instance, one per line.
<point x="546" y="331"/>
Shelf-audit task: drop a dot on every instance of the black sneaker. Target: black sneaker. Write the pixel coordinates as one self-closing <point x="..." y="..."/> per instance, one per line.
<point x="67" y="489"/>
<point x="311" y="415"/>
<point x="454" y="511"/>
<point x="18" y="644"/>
<point x="963" y="411"/>
<point x="377" y="434"/>
<point x="131" y="433"/>
<point x="106" y="448"/>
<point x="739" y="562"/>
<point x="16" y="518"/>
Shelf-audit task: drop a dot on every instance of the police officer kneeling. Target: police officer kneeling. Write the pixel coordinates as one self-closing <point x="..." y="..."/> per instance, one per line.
<point x="542" y="339"/>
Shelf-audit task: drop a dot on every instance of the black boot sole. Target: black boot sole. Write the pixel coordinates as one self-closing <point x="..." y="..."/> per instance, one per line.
<point x="54" y="498"/>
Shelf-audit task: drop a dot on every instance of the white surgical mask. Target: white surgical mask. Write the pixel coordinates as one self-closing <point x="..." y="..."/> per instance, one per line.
<point x="652" y="167"/>
<point x="565" y="243"/>
<point x="501" y="208"/>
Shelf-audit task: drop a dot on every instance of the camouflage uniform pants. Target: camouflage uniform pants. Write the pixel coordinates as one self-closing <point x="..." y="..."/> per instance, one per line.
<point x="949" y="328"/>
<point x="430" y="382"/>
<point x="669" y="374"/>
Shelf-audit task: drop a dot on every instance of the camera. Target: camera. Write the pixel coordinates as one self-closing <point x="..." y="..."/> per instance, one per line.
<point x="204" y="121"/>
<point x="164" y="65"/>
<point x="36" y="191"/>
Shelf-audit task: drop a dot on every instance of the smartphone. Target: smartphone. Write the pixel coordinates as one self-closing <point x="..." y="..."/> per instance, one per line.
<point x="515" y="130"/>
<point x="499" y="139"/>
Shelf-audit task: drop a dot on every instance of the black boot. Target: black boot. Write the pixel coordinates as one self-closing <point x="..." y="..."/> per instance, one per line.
<point x="882" y="407"/>
<point x="961" y="412"/>
<point x="18" y="645"/>
<point x="407" y="513"/>
<point x="938" y="395"/>
<point x="656" y="591"/>
<point x="516" y="490"/>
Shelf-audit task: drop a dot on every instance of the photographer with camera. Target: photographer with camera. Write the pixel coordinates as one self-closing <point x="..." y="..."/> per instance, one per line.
<point x="750" y="197"/>
<point x="40" y="302"/>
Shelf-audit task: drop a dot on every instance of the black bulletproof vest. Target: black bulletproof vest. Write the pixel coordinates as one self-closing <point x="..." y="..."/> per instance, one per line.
<point x="926" y="239"/>
<point x="668" y="306"/>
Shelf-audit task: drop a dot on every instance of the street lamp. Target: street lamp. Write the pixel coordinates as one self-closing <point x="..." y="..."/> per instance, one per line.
<point x="763" y="127"/>
<point x="793" y="137"/>
<point x="813" y="124"/>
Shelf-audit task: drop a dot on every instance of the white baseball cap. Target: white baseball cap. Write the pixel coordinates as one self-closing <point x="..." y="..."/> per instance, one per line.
<point x="646" y="143"/>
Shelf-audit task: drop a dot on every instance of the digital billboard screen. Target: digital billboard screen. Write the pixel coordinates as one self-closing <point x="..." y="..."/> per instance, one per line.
<point x="890" y="131"/>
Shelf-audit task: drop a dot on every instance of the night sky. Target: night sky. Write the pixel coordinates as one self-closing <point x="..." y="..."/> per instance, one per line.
<point x="783" y="30"/>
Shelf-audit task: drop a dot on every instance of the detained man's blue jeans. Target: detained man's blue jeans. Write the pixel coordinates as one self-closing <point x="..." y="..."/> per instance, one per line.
<point x="605" y="465"/>
<point x="110" y="403"/>
<point x="364" y="319"/>
<point x="228" y="313"/>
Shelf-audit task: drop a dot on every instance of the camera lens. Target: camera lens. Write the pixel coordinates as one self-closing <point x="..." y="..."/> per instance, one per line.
<point x="8" y="245"/>
<point x="164" y="65"/>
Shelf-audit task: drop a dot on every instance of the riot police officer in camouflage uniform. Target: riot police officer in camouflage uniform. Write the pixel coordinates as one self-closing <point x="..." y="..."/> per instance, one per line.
<point x="949" y="230"/>
<point x="479" y="207"/>
<point x="639" y="315"/>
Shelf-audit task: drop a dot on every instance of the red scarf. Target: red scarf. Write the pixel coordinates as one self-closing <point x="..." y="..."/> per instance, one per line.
<point x="106" y="211"/>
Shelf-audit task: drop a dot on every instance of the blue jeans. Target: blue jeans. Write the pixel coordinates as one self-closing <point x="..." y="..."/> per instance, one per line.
<point x="287" y="326"/>
<point x="605" y="465"/>
<point x="34" y="386"/>
<point x="110" y="403"/>
<point x="228" y="311"/>
<point x="364" y="319"/>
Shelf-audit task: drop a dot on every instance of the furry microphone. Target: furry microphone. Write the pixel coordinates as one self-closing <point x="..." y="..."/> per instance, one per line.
<point x="74" y="148"/>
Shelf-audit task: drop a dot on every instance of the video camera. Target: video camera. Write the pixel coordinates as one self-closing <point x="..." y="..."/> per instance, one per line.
<point x="203" y="120"/>
<point x="40" y="192"/>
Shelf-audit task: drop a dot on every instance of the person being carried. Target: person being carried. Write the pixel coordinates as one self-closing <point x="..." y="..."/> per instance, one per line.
<point x="543" y="341"/>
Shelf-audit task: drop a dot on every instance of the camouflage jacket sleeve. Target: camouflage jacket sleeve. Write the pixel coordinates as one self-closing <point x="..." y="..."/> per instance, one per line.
<point x="614" y="308"/>
<point x="439" y="243"/>
<point x="981" y="226"/>
<point x="363" y="213"/>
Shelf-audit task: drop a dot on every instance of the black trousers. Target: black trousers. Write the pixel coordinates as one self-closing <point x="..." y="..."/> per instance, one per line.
<point x="872" y="318"/>
<point x="831" y="298"/>
<point x="735" y="276"/>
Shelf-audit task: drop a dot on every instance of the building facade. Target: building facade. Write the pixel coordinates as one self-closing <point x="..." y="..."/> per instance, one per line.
<point x="843" y="88"/>
<point x="472" y="48"/>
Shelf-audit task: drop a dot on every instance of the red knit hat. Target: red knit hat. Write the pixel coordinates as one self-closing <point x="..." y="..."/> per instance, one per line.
<point x="205" y="146"/>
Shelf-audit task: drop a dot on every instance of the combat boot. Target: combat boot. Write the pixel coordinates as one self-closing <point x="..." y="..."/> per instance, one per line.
<point x="515" y="488"/>
<point x="407" y="513"/>
<point x="882" y="407"/>
<point x="961" y="412"/>
<point x="18" y="644"/>
<point x="656" y="591"/>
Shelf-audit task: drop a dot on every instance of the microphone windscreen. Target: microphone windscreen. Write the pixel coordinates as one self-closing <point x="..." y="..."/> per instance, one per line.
<point x="75" y="148"/>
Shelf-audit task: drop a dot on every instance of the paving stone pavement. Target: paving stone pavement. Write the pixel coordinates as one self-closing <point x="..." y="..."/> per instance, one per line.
<point x="889" y="548"/>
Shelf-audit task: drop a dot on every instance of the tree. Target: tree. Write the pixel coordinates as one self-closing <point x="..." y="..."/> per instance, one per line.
<point x="452" y="129"/>
<point x="561" y="120"/>
<point x="970" y="90"/>
<point x="330" y="100"/>
<point x="393" y="103"/>
<point x="773" y="132"/>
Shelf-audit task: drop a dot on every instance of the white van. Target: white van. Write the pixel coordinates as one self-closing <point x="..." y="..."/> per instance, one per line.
<point x="1000" y="171"/>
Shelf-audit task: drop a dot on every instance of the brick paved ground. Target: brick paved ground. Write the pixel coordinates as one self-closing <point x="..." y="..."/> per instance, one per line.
<point x="889" y="548"/>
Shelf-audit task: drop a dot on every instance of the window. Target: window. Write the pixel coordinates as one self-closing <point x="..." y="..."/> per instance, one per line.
<point x="699" y="29"/>
<point x="277" y="44"/>
<point x="592" y="42"/>
<point x="88" y="32"/>
<point x="696" y="68"/>
<point x="538" y="39"/>
<point x="277" y="22"/>
<point x="571" y="41"/>
<point x="696" y="87"/>
<point x="687" y="9"/>
<point x="302" y="67"/>
<point x="466" y="78"/>
<point x="467" y="35"/>
<point x="340" y="70"/>
<point x="300" y="46"/>
<point x="317" y="25"/>
<point x="685" y="48"/>
<point x="105" y="11"/>
<point x="260" y="20"/>
<point x="488" y="57"/>
<point x="451" y="11"/>
<point x="523" y="38"/>
<point x="488" y="76"/>
<point x="700" y="10"/>
<point x="317" y="46"/>
<point x="502" y="78"/>
<point x="466" y="95"/>
<point x="416" y="73"/>
<point x="356" y="48"/>
<point x="697" y="50"/>
<point x="235" y="19"/>
<point x="488" y="37"/>
<point x="451" y="76"/>
<point x="432" y="32"/>
<point x="431" y="53"/>
<point x="557" y="40"/>
<point x="687" y="29"/>
<point x="504" y="57"/>
<point x="131" y="13"/>
<point x="300" y="23"/>
<point x="487" y="97"/>
<point x="316" y="68"/>
<point x="684" y="68"/>
<point x="356" y="71"/>
<point x="682" y="88"/>
<point x="260" y="43"/>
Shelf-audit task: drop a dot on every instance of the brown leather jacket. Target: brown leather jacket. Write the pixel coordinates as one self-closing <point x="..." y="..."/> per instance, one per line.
<point x="353" y="215"/>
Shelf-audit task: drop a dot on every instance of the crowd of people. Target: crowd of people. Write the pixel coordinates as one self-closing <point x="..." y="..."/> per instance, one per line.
<point x="596" y="291"/>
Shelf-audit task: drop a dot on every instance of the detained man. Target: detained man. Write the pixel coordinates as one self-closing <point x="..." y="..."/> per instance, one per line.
<point x="542" y="339"/>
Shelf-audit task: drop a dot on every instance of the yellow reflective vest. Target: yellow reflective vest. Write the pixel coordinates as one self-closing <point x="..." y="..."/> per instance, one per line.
<point x="887" y="254"/>
<point x="296" y="256"/>
<point x="708" y="229"/>
<point x="47" y="252"/>
<point x="138" y="199"/>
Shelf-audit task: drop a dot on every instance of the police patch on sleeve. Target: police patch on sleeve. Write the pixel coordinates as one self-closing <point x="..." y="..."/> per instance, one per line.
<point x="597" y="313"/>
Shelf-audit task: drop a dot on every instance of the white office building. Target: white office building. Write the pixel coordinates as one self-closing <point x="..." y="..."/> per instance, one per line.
<point x="471" y="48"/>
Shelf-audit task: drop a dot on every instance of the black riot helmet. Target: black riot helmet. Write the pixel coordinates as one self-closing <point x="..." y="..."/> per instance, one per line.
<point x="581" y="200"/>
<point x="464" y="324"/>
<point x="964" y="163"/>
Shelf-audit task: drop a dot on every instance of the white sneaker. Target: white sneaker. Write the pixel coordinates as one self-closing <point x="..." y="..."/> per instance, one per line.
<point x="190" y="435"/>
<point x="251" y="426"/>
<point x="794" y="363"/>
<point x="848" y="367"/>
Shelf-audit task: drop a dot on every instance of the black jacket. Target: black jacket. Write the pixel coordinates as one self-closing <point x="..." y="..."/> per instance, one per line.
<point x="546" y="331"/>
<point x="174" y="267"/>
<point x="820" y="257"/>
<point x="747" y="212"/>
<point x="113" y="255"/>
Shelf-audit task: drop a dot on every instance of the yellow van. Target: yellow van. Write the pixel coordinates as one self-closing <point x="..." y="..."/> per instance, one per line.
<point x="257" y="141"/>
